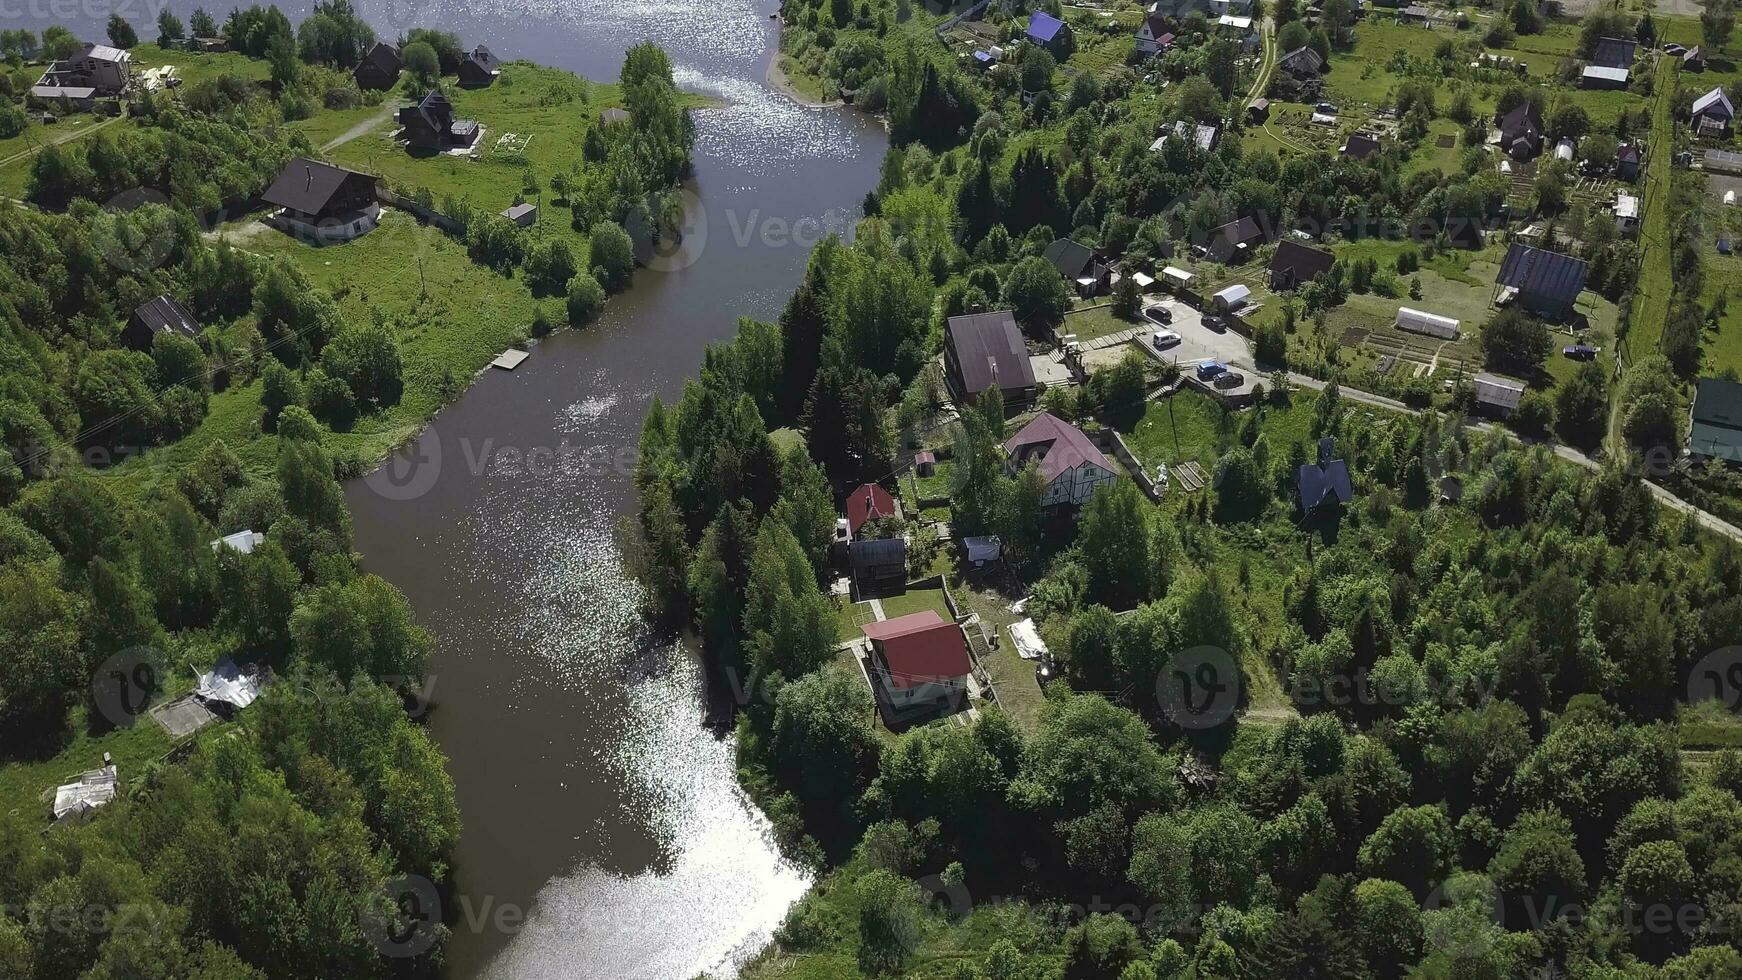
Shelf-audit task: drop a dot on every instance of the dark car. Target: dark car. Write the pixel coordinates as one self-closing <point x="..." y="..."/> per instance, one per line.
<point x="1160" y="314"/>
<point x="1229" y="379"/>
<point x="1580" y="352"/>
<point x="1210" y="369"/>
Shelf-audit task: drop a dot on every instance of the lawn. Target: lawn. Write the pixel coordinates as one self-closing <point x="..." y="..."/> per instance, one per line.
<point x="1652" y="295"/>
<point x="1191" y="425"/>
<point x="1097" y="322"/>
<point x="469" y="316"/>
<point x="915" y="601"/>
<point x="31" y="784"/>
<point x="1364" y="75"/>
<point x="200" y="66"/>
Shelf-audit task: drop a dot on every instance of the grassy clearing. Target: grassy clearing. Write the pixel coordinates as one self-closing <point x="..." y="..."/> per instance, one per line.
<point x="1652" y="294"/>
<point x="916" y="601"/>
<point x="1097" y="322"/>
<point x="30" y="785"/>
<point x="199" y="66"/>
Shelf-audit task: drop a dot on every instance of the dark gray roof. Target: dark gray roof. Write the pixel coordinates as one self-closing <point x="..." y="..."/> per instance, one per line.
<point x="165" y="315"/>
<point x="883" y="551"/>
<point x="1718" y="402"/>
<point x="1613" y="52"/>
<point x="482" y="57"/>
<point x="1241" y="231"/>
<point x="989" y="349"/>
<point x="1302" y="60"/>
<point x="1322" y="484"/>
<point x="1524" y="119"/>
<point x="307" y="185"/>
<point x="1360" y="146"/>
<point x="1303" y="262"/>
<point x="383" y="57"/>
<point x="1068" y="257"/>
<point x="1540" y="273"/>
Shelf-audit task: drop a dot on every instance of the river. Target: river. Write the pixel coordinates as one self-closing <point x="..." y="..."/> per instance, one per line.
<point x="595" y="801"/>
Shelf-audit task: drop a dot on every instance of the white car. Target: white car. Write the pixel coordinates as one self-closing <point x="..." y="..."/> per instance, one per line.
<point x="1165" y="339"/>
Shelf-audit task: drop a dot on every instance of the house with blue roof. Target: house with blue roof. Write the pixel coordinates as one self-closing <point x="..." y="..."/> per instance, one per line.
<point x="1323" y="486"/>
<point x="1052" y="34"/>
<point x="1540" y="282"/>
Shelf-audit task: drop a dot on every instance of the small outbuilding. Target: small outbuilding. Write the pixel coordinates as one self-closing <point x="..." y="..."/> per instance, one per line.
<point x="1431" y="324"/>
<point x="87" y="792"/>
<point x="164" y="314"/>
<point x="1232" y="298"/>
<point x="1497" y="395"/>
<point x="523" y="215"/>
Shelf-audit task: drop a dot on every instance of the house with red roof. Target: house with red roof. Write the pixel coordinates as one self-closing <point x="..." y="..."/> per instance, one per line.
<point x="866" y="504"/>
<point x="918" y="661"/>
<point x="1069" y="462"/>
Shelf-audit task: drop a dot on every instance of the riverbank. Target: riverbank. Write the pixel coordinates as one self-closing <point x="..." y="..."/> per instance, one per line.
<point x="784" y="77"/>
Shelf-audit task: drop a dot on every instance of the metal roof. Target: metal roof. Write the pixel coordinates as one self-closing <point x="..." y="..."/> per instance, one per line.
<point x="1069" y="257"/>
<point x="1614" y="52"/>
<point x="1043" y="27"/>
<point x="882" y="551"/>
<point x="920" y="648"/>
<point x="1715" y="99"/>
<point x="1539" y="273"/>
<point x="1491" y="389"/>
<point x="307" y="185"/>
<point x="1606" y="74"/>
<point x="1718" y="402"/>
<point x="1319" y="484"/>
<point x="1056" y="445"/>
<point x="1301" y="261"/>
<point x="989" y="350"/>
<point x="163" y="314"/>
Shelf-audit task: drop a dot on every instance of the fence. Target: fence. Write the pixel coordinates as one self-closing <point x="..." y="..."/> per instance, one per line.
<point x="427" y="215"/>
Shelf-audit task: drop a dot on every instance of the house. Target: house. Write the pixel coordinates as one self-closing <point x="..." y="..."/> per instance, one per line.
<point x="1078" y="265"/>
<point x="430" y="125"/>
<point x="614" y="117"/>
<point x="1627" y="162"/>
<point x="1201" y="135"/>
<point x="1614" y="52"/>
<point x="925" y="463"/>
<point x="1431" y="324"/>
<point x="1232" y="298"/>
<point x="1233" y="242"/>
<point x="1153" y="37"/>
<point x="1713" y="113"/>
<point x="1360" y="146"/>
<point x="918" y="662"/>
<point x="1694" y="59"/>
<point x="241" y="542"/>
<point x="523" y="215"/>
<point x="1521" y="131"/>
<point x="1601" y="77"/>
<point x="1539" y="281"/>
<point x="1258" y="111"/>
<point x="1294" y="264"/>
<point x="480" y="68"/>
<point x="1415" y="13"/>
<point x="1302" y="63"/>
<point x="868" y="503"/>
<point x="321" y="202"/>
<point x="1715" y="430"/>
<point x="1497" y="395"/>
<point x="982" y="350"/>
<point x="1051" y="33"/>
<point x="1069" y="463"/>
<point x="379" y="69"/>
<point x="1626" y="214"/>
<point x="161" y="315"/>
<point x="97" y="71"/>
<point x="1323" y="485"/>
<point x="87" y="792"/>
<point x="878" y="564"/>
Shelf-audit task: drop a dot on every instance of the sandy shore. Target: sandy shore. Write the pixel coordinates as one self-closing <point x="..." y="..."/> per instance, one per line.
<point x="778" y="81"/>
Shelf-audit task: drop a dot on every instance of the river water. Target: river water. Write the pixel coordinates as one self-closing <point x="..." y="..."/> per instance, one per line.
<point x="596" y="803"/>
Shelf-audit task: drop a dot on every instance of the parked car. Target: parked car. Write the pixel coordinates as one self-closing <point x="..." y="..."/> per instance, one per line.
<point x="1210" y="369"/>
<point x="1215" y="323"/>
<point x="1229" y="379"/>
<point x="1673" y="48"/>
<point x="1165" y="339"/>
<point x="1580" y="352"/>
<point x="1160" y="314"/>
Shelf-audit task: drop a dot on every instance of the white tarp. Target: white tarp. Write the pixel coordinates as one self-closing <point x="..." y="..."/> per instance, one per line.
<point x="1233" y="297"/>
<point x="1029" y="645"/>
<point x="230" y="684"/>
<point x="984" y="549"/>
<point x="243" y="541"/>
<point x="90" y="791"/>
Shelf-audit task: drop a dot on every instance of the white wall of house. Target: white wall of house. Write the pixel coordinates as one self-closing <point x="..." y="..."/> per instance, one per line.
<point x="1076" y="485"/>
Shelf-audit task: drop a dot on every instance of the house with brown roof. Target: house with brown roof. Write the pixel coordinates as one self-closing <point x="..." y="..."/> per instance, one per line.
<point x="1295" y="264"/>
<point x="322" y="203"/>
<point x="918" y="662"/>
<point x="1068" y="461"/>
<point x="983" y="350"/>
<point x="379" y="70"/>
<point x="163" y="314"/>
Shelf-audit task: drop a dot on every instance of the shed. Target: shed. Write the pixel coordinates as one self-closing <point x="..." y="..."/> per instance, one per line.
<point x="524" y="215"/>
<point x="1599" y="77"/>
<point x="1176" y="278"/>
<point x="983" y="549"/>
<point x="613" y="117"/>
<point x="1498" y="394"/>
<point x="87" y="792"/>
<point x="242" y="541"/>
<point x="1432" y="324"/>
<point x="879" y="562"/>
<point x="925" y="463"/>
<point x="1564" y="150"/>
<point x="229" y="687"/>
<point x="163" y="314"/>
<point x="1232" y="298"/>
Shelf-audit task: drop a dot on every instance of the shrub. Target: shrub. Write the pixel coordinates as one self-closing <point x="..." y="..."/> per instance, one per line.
<point x="586" y="298"/>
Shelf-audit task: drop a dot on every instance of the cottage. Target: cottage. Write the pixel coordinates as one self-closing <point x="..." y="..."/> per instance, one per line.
<point x="1715" y="429"/>
<point x="1201" y="135"/>
<point x="1323" y="486"/>
<point x="321" y="202"/>
<point x="1694" y="59"/>
<point x="1614" y="52"/>
<point x="1051" y="33"/>
<point x="1627" y="162"/>
<point x="1626" y="214"/>
<point x="1302" y="63"/>
<point x="1431" y="324"/>
<point x="480" y="68"/>
<point x="1079" y="266"/>
<point x="878" y="564"/>
<point x="1234" y="242"/>
<point x="161" y="315"/>
<point x="1153" y="37"/>
<point x="918" y="662"/>
<point x="523" y="215"/>
<point x="1069" y="463"/>
<point x="1539" y="281"/>
<point x="1295" y="264"/>
<point x="379" y="70"/>
<point x="868" y="503"/>
<point x="430" y="125"/>
<point x="1360" y="146"/>
<point x="1713" y="114"/>
<point x="1521" y="131"/>
<point x="982" y="350"/>
<point x="1601" y="77"/>
<point x="1258" y="111"/>
<point x="1497" y="395"/>
<point x="925" y="463"/>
